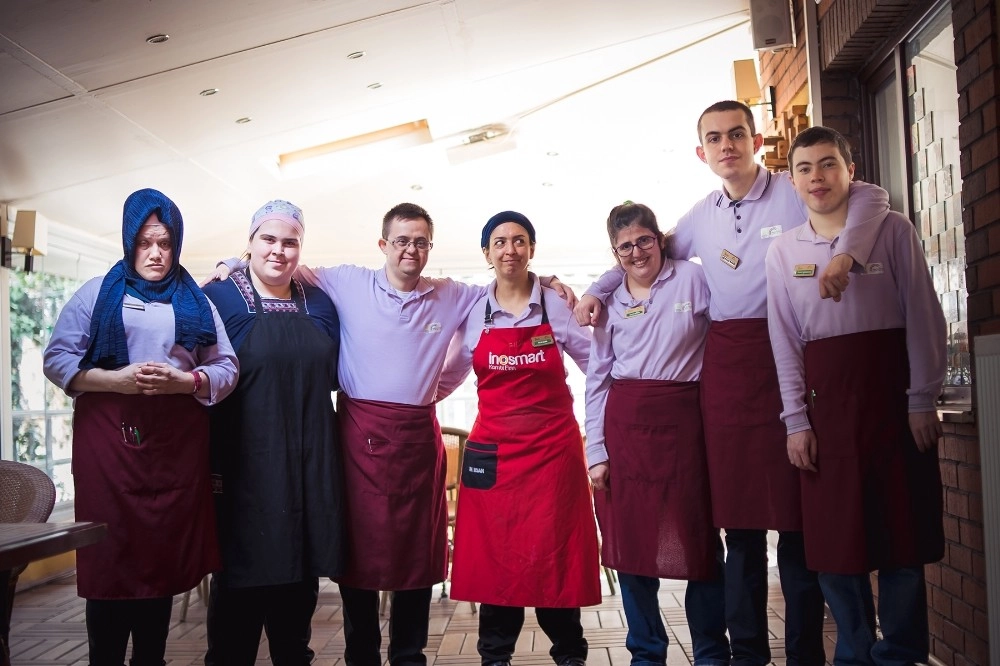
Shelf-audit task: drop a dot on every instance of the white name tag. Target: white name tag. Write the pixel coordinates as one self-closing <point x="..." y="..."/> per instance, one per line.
<point x="770" y="232"/>
<point x="683" y="307"/>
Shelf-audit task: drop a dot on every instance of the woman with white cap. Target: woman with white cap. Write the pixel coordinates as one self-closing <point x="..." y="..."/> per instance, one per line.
<point x="525" y="532"/>
<point x="141" y="351"/>
<point x="276" y="459"/>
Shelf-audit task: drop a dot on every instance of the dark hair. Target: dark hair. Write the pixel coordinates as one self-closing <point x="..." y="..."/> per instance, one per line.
<point x="630" y="213"/>
<point x="819" y="134"/>
<point x="728" y="105"/>
<point x="406" y="211"/>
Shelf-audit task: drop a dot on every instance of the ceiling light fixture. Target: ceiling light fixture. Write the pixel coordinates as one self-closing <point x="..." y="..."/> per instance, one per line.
<point x="208" y="92"/>
<point x="374" y="86"/>
<point x="482" y="142"/>
<point x="416" y="187"/>
<point x="157" y="39"/>
<point x="356" y="55"/>
<point x="552" y="153"/>
<point x="244" y="120"/>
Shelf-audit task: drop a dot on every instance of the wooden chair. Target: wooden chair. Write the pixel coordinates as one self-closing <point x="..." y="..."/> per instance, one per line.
<point x="27" y="495"/>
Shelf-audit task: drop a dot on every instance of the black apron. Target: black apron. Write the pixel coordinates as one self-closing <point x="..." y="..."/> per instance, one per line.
<point x="276" y="457"/>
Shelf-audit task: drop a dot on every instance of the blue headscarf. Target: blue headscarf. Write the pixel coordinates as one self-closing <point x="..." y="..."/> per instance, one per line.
<point x="193" y="320"/>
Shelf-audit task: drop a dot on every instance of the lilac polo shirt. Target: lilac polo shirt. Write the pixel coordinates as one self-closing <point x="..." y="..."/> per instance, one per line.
<point x="894" y="290"/>
<point x="745" y="229"/>
<point x="392" y="344"/>
<point x="149" y="334"/>
<point x="624" y="348"/>
<point x="570" y="337"/>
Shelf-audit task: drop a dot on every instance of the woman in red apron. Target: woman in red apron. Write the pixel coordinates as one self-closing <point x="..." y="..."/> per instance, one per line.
<point x="142" y="351"/>
<point x="645" y="443"/>
<point x="525" y="532"/>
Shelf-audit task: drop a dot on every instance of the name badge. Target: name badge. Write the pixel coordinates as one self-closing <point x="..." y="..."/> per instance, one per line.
<point x="135" y="306"/>
<point x="683" y="307"/>
<point x="636" y="311"/>
<point x="875" y="269"/>
<point x="542" y="340"/>
<point x="770" y="232"/>
<point x="730" y="259"/>
<point x="804" y="270"/>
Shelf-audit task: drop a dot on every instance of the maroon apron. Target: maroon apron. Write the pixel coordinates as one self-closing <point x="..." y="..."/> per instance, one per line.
<point x="875" y="501"/>
<point x="397" y="512"/>
<point x="753" y="484"/>
<point x="140" y="464"/>
<point x="525" y="533"/>
<point x="656" y="517"/>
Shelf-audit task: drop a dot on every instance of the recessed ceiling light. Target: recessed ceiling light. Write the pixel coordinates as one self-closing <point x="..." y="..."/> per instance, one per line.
<point x="546" y="184"/>
<point x="157" y="39"/>
<point x="355" y="55"/>
<point x="243" y="121"/>
<point x="374" y="86"/>
<point x="552" y="153"/>
<point x="416" y="187"/>
<point x="208" y="92"/>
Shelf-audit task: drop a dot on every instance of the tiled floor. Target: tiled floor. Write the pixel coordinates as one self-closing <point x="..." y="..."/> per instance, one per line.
<point x="48" y="629"/>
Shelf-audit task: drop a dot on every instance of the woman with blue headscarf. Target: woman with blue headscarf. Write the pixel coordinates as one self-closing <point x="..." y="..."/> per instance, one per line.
<point x="142" y="351"/>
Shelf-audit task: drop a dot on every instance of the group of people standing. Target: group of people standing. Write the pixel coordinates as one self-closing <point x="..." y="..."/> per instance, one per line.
<point x="726" y="395"/>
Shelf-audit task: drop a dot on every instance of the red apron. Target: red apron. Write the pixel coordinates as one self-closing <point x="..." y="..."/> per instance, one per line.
<point x="753" y="484"/>
<point x="140" y="464"/>
<point x="525" y="533"/>
<point x="397" y="512"/>
<point x="875" y="501"/>
<point x="656" y="517"/>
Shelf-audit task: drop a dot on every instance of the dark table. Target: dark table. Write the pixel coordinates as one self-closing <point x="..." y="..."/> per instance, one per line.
<point x="21" y="543"/>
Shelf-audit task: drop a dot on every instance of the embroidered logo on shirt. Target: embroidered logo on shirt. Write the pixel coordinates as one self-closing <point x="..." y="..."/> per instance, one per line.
<point x="875" y="269"/>
<point x="730" y="259"/>
<point x="804" y="270"/>
<point x="683" y="307"/>
<point x="433" y="327"/>
<point x="770" y="232"/>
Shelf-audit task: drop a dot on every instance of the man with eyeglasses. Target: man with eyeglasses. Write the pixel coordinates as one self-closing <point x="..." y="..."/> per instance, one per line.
<point x="394" y="460"/>
<point x="754" y="488"/>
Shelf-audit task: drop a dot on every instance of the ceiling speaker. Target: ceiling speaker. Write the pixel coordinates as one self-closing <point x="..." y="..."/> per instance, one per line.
<point x="771" y="24"/>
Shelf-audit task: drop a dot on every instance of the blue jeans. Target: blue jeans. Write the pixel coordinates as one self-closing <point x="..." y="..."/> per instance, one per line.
<point x="746" y="600"/>
<point x="647" y="637"/>
<point x="902" y="614"/>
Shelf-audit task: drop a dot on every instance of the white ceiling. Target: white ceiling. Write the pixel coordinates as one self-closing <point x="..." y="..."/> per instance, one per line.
<point x="90" y="112"/>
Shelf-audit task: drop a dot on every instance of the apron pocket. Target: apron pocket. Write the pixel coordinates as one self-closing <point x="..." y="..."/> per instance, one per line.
<point x="479" y="466"/>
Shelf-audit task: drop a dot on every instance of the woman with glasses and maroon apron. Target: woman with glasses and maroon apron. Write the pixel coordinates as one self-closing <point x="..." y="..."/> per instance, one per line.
<point x="645" y="444"/>
<point x="525" y="533"/>
<point x="142" y="351"/>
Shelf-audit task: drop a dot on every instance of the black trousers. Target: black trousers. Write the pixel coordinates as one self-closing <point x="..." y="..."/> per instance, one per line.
<point x="409" y="615"/>
<point x="237" y="615"/>
<point x="110" y="622"/>
<point x="499" y="627"/>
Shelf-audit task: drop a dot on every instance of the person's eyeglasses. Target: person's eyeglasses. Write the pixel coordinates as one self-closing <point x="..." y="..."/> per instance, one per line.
<point x="642" y="242"/>
<point x="421" y="244"/>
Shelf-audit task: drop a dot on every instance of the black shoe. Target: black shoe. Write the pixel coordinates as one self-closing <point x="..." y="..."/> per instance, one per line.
<point x="497" y="663"/>
<point x="573" y="661"/>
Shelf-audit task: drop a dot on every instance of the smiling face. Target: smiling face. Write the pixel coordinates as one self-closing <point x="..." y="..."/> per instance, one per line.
<point x="728" y="146"/>
<point x="822" y="178"/>
<point x="509" y="250"/>
<point x="641" y="265"/>
<point x="154" y="251"/>
<point x="274" y="252"/>
<point x="404" y="263"/>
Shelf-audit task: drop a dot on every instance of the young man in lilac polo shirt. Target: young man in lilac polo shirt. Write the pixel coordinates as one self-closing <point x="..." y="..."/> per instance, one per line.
<point x="859" y="381"/>
<point x="754" y="489"/>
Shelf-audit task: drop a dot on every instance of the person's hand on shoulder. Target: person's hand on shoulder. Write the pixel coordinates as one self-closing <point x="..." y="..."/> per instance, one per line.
<point x="600" y="476"/>
<point x="802" y="450"/>
<point x="220" y="273"/>
<point x="834" y="280"/>
<point x="926" y="429"/>
<point x="588" y="310"/>
<point x="564" y="292"/>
